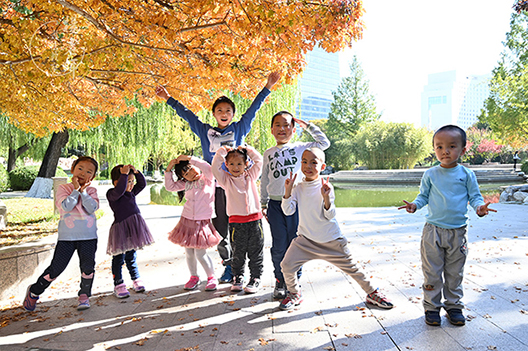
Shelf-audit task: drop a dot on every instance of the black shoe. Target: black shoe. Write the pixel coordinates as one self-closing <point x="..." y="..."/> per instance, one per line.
<point x="432" y="318"/>
<point x="279" y="293"/>
<point x="456" y="317"/>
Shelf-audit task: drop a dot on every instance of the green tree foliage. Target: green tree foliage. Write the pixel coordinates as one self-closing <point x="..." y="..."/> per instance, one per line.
<point x="353" y="106"/>
<point x="506" y="109"/>
<point x="4" y="178"/>
<point x="383" y="145"/>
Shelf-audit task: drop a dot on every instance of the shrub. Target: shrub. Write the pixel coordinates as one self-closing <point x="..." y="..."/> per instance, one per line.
<point x="23" y="177"/>
<point x="524" y="167"/>
<point x="4" y="178"/>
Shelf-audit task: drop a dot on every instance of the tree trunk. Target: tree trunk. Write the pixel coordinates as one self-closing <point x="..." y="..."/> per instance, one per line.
<point x="41" y="187"/>
<point x="13" y="154"/>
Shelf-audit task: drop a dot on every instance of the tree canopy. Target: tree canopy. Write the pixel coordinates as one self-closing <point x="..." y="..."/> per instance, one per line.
<point x="61" y="60"/>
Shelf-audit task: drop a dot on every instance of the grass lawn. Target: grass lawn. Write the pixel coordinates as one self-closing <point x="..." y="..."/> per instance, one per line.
<point x="29" y="219"/>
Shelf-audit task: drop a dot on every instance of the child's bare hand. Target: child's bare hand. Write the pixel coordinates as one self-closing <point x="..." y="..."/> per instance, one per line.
<point x="171" y="164"/>
<point x="325" y="187"/>
<point x="301" y="123"/>
<point x="483" y="210"/>
<point x="183" y="158"/>
<point x="409" y="207"/>
<point x="133" y="169"/>
<point x="265" y="213"/>
<point x="86" y="185"/>
<point x="273" y="78"/>
<point x="125" y="169"/>
<point x="288" y="184"/>
<point x="75" y="182"/>
<point x="162" y="92"/>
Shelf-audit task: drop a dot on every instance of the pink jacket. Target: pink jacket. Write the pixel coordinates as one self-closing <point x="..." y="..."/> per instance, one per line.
<point x="199" y="194"/>
<point x="242" y="197"/>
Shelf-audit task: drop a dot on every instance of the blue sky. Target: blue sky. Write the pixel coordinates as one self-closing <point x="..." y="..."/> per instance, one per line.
<point x="406" y="40"/>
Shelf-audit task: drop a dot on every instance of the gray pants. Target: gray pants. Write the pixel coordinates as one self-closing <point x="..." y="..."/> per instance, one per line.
<point x="336" y="252"/>
<point x="444" y="253"/>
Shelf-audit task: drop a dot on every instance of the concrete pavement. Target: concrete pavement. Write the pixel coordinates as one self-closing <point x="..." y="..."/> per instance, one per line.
<point x="385" y="242"/>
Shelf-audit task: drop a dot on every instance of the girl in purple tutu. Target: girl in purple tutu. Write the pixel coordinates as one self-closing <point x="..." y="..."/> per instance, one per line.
<point x="195" y="231"/>
<point x="129" y="232"/>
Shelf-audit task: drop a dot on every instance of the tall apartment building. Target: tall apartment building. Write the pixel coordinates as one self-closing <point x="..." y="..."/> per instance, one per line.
<point x="452" y="98"/>
<point x="320" y="77"/>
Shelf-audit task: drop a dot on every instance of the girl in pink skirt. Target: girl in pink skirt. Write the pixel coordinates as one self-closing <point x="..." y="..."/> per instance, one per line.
<point x="129" y="232"/>
<point x="195" y="231"/>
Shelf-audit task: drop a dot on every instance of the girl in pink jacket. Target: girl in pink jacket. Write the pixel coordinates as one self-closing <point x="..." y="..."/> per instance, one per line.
<point x="195" y="231"/>
<point x="232" y="170"/>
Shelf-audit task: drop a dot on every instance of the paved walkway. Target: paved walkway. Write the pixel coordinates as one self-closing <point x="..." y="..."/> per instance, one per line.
<point x="385" y="242"/>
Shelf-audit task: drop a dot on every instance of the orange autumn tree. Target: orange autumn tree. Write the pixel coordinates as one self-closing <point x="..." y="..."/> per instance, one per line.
<point x="67" y="64"/>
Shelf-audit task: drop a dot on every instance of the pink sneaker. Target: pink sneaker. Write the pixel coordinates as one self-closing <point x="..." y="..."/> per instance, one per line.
<point x="192" y="283"/>
<point x="211" y="284"/>
<point x="121" y="292"/>
<point x="138" y="286"/>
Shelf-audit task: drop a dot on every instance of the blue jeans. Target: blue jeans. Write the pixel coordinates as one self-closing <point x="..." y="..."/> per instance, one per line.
<point x="283" y="231"/>
<point x="129" y="258"/>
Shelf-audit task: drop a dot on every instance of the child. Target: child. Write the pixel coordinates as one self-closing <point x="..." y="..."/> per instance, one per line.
<point x="446" y="188"/>
<point x="129" y="232"/>
<point x="319" y="236"/>
<point x="77" y="203"/>
<point x="243" y="209"/>
<point x="195" y="231"/>
<point x="279" y="161"/>
<point x="212" y="138"/>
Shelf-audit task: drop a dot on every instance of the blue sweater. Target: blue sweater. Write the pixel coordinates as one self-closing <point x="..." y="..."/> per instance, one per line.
<point x="447" y="191"/>
<point x="212" y="138"/>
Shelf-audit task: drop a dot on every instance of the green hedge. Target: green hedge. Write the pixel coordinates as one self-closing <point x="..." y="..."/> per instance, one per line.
<point x="22" y="178"/>
<point x="4" y="178"/>
<point x="524" y="167"/>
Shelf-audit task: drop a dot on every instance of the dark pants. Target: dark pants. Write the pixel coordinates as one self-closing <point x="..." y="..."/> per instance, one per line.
<point x="283" y="231"/>
<point x="221" y="224"/>
<point x="129" y="258"/>
<point x="61" y="257"/>
<point x="247" y="239"/>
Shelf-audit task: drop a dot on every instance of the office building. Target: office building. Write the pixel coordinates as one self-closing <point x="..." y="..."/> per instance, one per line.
<point x="452" y="98"/>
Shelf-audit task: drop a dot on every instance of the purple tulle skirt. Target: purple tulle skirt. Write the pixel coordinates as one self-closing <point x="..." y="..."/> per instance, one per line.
<point x="130" y="234"/>
<point x="195" y="234"/>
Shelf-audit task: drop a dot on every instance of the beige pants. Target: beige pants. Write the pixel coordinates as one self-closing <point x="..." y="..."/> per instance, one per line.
<point x="336" y="252"/>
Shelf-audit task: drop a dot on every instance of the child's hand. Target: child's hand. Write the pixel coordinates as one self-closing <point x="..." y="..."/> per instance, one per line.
<point x="75" y="182"/>
<point x="265" y="213"/>
<point x="273" y="78"/>
<point x="86" y="185"/>
<point x="171" y="164"/>
<point x="125" y="169"/>
<point x="325" y="187"/>
<point x="483" y="210"/>
<point x="301" y="123"/>
<point x="162" y="92"/>
<point x="409" y="207"/>
<point x="183" y="158"/>
<point x="133" y="169"/>
<point x="288" y="185"/>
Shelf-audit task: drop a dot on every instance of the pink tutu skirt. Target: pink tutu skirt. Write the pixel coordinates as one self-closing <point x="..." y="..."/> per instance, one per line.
<point x="199" y="234"/>
<point x="130" y="234"/>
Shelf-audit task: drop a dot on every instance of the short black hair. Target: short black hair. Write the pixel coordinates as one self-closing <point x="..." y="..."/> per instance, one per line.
<point x="115" y="173"/>
<point x="282" y="113"/>
<point x="88" y="159"/>
<point x="180" y="168"/>
<point x="452" y="127"/>
<point x="242" y="152"/>
<point x="226" y="100"/>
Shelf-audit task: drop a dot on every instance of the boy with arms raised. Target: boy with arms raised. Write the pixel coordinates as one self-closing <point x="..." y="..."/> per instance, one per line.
<point x="279" y="161"/>
<point x="319" y="236"/>
<point x="446" y="188"/>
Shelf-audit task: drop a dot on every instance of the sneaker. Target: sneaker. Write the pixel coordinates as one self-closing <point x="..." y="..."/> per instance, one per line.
<point x="291" y="301"/>
<point x="279" y="293"/>
<point x="238" y="282"/>
<point x="30" y="301"/>
<point x="211" y="284"/>
<point x="253" y="286"/>
<point x="456" y="317"/>
<point x="192" y="283"/>
<point x="138" y="286"/>
<point x="378" y="299"/>
<point x="227" y="276"/>
<point x="432" y="318"/>
<point x="121" y="292"/>
<point x="84" y="302"/>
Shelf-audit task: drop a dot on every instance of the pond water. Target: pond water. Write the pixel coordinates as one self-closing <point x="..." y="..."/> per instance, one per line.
<point x="352" y="195"/>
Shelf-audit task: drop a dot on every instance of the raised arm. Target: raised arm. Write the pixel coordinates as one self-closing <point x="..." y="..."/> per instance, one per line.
<point x="321" y="141"/>
<point x="216" y="166"/>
